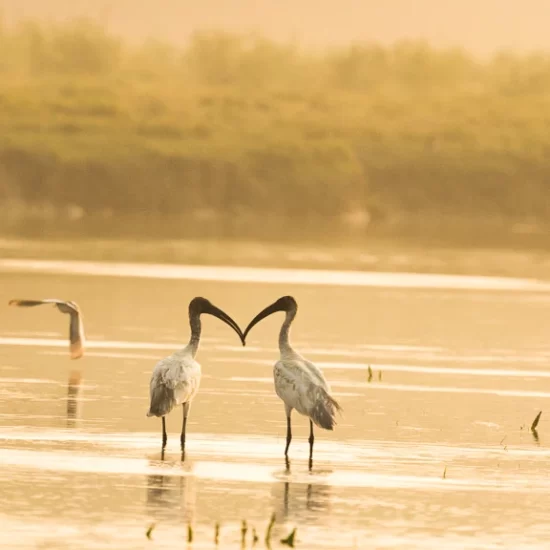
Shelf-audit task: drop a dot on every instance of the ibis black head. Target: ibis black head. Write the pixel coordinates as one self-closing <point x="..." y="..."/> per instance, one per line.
<point x="286" y="303"/>
<point x="200" y="305"/>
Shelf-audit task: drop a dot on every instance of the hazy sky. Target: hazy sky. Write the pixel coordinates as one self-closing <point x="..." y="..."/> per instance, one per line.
<point x="481" y="26"/>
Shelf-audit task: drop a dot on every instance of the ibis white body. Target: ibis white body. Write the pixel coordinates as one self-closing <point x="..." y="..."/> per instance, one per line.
<point x="175" y="381"/>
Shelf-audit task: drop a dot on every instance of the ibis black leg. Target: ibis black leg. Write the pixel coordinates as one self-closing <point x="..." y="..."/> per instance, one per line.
<point x="311" y="440"/>
<point x="182" y="438"/>
<point x="288" y="434"/>
<point x="287" y="464"/>
<point x="164" y="436"/>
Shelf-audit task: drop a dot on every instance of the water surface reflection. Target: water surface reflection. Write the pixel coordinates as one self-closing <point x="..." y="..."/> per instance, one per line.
<point x="74" y="398"/>
<point x="301" y="502"/>
<point x="171" y="497"/>
<point x="463" y="370"/>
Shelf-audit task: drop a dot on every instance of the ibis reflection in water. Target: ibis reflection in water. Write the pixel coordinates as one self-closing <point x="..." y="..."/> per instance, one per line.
<point x="176" y="379"/>
<point x="171" y="496"/>
<point x="298" y="382"/>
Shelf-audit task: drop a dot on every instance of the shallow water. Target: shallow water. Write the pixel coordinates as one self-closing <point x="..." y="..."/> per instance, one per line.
<point x="435" y="451"/>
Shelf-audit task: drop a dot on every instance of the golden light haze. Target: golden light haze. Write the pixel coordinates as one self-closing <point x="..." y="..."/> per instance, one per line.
<point x="418" y="120"/>
<point x="481" y="27"/>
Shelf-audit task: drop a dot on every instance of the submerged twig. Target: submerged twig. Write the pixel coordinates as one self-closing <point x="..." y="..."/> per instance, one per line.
<point x="244" y="529"/>
<point x="289" y="541"/>
<point x="269" y="529"/>
<point x="445" y="473"/>
<point x="217" y="534"/>
<point x="189" y="533"/>
<point x="370" y="374"/>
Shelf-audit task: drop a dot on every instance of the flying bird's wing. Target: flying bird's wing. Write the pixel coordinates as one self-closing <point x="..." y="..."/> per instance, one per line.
<point x="76" y="327"/>
<point x="76" y="331"/>
<point x="31" y="303"/>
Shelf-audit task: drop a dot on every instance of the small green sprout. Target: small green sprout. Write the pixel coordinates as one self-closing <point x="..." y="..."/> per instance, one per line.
<point x="535" y="422"/>
<point x="269" y="529"/>
<point x="289" y="541"/>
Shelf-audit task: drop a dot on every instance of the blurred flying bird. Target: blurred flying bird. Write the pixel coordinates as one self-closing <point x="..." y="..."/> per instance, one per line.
<point x="298" y="382"/>
<point x="175" y="380"/>
<point x="76" y="327"/>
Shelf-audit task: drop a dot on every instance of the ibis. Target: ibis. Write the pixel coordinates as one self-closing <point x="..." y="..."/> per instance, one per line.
<point x="298" y="382"/>
<point x="176" y="379"/>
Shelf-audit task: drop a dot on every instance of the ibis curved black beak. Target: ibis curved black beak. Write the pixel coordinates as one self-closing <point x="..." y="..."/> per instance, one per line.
<point x="217" y="312"/>
<point x="273" y="308"/>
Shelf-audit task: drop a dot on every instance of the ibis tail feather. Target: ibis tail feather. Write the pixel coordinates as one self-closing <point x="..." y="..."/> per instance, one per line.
<point x="324" y="411"/>
<point x="162" y="401"/>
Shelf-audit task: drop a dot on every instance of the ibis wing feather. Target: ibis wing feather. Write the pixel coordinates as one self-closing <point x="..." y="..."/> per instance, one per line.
<point x="175" y="380"/>
<point x="302" y="386"/>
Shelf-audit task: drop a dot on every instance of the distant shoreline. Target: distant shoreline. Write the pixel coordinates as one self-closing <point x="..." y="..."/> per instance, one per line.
<point x="240" y="137"/>
<point x="376" y="256"/>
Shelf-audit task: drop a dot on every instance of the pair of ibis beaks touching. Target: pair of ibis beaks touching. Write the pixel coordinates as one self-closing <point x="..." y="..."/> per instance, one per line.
<point x="175" y="379"/>
<point x="298" y="382"/>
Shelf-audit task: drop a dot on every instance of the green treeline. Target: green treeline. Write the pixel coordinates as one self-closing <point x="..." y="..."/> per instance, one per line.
<point x="237" y="135"/>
